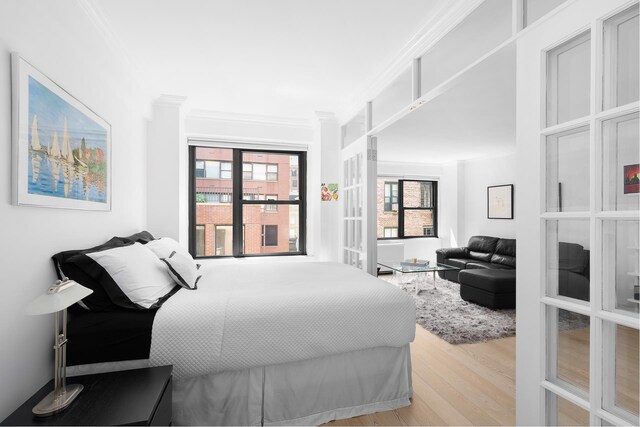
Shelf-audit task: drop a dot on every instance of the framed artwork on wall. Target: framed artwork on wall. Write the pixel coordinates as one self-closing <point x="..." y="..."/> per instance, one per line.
<point x="500" y="202"/>
<point x="61" y="149"/>
<point x="631" y="179"/>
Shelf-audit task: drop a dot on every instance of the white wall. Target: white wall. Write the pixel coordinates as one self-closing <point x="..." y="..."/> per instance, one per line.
<point x="59" y="39"/>
<point x="476" y="176"/>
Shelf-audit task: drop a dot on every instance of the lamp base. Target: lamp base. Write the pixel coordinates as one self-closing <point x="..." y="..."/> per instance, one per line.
<point x="55" y="401"/>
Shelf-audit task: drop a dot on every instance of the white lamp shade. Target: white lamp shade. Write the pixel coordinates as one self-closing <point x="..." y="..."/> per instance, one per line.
<point x="52" y="302"/>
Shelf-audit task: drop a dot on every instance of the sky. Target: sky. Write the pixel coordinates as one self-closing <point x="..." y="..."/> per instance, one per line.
<point x="52" y="110"/>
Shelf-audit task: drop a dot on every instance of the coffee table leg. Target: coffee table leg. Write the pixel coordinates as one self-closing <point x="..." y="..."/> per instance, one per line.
<point x="434" y="280"/>
<point x="418" y="283"/>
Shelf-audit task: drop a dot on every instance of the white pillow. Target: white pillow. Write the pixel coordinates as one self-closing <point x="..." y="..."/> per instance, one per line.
<point x="164" y="246"/>
<point x="183" y="270"/>
<point x="141" y="276"/>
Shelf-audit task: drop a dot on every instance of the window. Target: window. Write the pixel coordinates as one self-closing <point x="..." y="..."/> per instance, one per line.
<point x="212" y="169"/>
<point x="391" y="232"/>
<point x="261" y="172"/>
<point x="257" y="210"/>
<point x="201" y="239"/>
<point x="271" y="208"/>
<point x="391" y="196"/>
<point x="407" y="208"/>
<point x="269" y="235"/>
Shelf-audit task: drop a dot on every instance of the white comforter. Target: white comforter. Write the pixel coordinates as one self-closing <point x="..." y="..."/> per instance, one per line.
<point x="244" y="316"/>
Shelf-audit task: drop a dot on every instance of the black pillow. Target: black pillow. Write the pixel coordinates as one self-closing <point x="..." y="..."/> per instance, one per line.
<point x="142" y="237"/>
<point x="98" y="300"/>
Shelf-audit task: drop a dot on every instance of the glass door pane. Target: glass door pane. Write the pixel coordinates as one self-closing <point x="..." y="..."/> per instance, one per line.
<point x="393" y="98"/>
<point x="567" y="264"/>
<point x="621" y="164"/>
<point x="482" y="30"/>
<point x="567" y="159"/>
<point x="568" y="337"/>
<point x="620" y="268"/>
<point x="536" y="9"/>
<point x="568" y="85"/>
<point x="621" y="355"/>
<point x="561" y="412"/>
<point x="621" y="54"/>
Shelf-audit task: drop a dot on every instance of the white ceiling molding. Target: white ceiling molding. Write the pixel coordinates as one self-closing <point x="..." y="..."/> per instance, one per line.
<point x="250" y="119"/>
<point x="103" y="27"/>
<point x="443" y="21"/>
<point x="325" y="116"/>
<point x="176" y="100"/>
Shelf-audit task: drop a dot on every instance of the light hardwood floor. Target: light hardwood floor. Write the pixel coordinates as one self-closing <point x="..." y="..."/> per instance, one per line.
<point x="468" y="384"/>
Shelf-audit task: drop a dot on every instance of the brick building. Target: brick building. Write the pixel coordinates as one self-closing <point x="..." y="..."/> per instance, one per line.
<point x="416" y="195"/>
<point x="268" y="228"/>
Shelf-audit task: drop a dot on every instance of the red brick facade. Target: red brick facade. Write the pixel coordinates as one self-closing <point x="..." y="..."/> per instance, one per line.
<point x="214" y="209"/>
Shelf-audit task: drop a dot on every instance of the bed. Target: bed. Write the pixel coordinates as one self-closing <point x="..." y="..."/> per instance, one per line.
<point x="298" y="343"/>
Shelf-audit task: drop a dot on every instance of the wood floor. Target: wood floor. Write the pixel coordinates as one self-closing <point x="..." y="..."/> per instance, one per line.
<point x="467" y="384"/>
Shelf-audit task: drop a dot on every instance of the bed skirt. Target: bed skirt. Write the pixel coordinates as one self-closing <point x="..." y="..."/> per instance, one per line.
<point x="308" y="392"/>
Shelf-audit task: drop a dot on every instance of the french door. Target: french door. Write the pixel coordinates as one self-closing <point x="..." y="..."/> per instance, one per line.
<point x="359" y="246"/>
<point x="579" y="215"/>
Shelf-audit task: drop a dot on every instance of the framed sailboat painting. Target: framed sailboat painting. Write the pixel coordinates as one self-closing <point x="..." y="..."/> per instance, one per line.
<point x="61" y="149"/>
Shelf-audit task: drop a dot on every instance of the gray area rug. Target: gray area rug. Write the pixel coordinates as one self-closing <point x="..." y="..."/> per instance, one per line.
<point x="442" y="312"/>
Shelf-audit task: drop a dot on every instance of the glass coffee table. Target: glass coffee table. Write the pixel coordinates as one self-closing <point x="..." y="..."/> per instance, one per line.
<point x="419" y="269"/>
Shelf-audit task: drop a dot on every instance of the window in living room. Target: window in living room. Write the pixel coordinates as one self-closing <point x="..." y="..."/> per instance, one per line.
<point x="406" y="208"/>
<point x="268" y="218"/>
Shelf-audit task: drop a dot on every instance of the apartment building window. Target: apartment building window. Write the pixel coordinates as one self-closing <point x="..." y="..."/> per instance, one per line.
<point x="391" y="196"/>
<point x="390" y="231"/>
<point x="213" y="169"/>
<point x="256" y="201"/>
<point x="201" y="238"/>
<point x="271" y="207"/>
<point x="269" y="235"/>
<point x="407" y="208"/>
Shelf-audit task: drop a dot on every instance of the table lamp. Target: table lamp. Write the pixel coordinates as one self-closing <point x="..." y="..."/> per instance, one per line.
<point x="59" y="296"/>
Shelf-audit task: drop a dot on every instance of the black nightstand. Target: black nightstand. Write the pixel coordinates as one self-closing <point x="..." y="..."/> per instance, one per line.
<point x="135" y="397"/>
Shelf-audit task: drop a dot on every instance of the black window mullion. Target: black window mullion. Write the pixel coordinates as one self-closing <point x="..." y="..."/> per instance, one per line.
<point x="237" y="202"/>
<point x="192" y="201"/>
<point x="302" y="196"/>
<point x="401" y="208"/>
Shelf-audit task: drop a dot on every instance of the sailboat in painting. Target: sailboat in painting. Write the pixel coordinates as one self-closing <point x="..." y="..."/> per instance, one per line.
<point x="66" y="149"/>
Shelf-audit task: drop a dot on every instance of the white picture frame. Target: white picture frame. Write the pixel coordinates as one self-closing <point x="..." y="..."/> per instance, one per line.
<point x="61" y="149"/>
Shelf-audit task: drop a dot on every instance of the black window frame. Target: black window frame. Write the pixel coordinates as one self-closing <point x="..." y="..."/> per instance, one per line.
<point x="401" y="209"/>
<point x="238" y="202"/>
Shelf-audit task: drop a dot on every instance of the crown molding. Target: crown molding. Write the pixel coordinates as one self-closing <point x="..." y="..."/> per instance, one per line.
<point x="325" y="116"/>
<point x="249" y="119"/>
<point x="450" y="14"/>
<point x="170" y="100"/>
<point x="103" y="27"/>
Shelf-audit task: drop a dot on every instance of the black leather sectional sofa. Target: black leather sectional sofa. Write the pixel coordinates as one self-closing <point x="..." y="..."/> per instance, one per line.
<point x="487" y="274"/>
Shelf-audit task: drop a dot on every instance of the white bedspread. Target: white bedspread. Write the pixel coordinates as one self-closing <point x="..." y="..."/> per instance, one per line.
<point x="245" y="316"/>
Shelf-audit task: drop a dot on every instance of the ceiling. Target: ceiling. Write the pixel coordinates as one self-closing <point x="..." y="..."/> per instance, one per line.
<point x="276" y="57"/>
<point x="475" y="118"/>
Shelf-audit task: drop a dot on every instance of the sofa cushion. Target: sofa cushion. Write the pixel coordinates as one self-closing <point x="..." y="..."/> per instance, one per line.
<point x="457" y="262"/>
<point x="484" y="264"/>
<point x="503" y="260"/>
<point x="506" y="247"/>
<point x="483" y="244"/>
<point x="571" y="257"/>
<point x="480" y="256"/>
<point x="490" y="280"/>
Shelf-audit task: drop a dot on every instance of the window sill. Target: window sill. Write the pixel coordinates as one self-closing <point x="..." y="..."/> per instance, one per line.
<point x="257" y="260"/>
